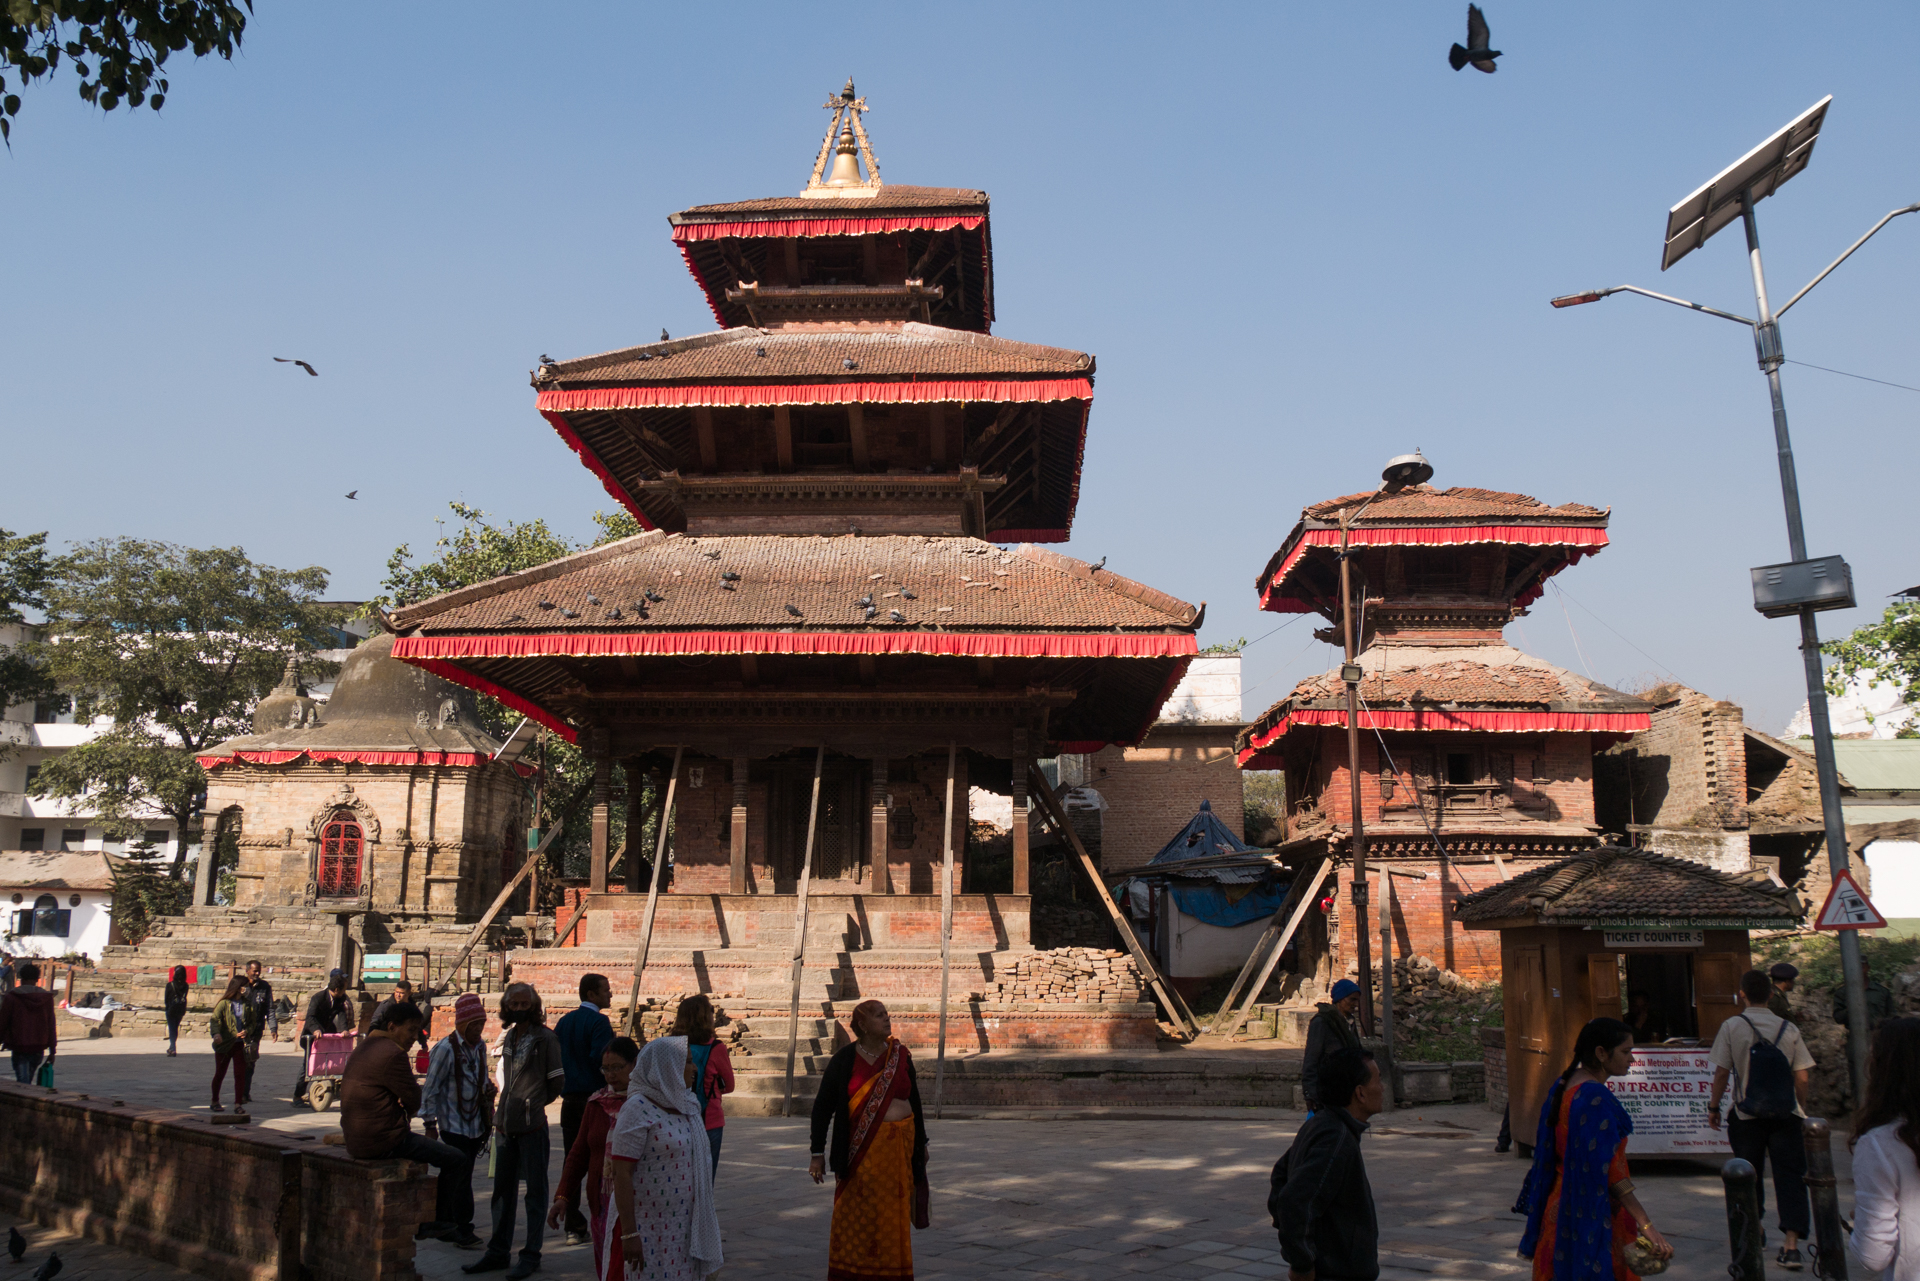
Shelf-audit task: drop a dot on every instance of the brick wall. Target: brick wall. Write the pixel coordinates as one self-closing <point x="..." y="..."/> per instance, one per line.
<point x="1423" y="912"/>
<point x="1493" y="1051"/>
<point x="1688" y="769"/>
<point x="1550" y="775"/>
<point x="1153" y="790"/>
<point x="229" y="1202"/>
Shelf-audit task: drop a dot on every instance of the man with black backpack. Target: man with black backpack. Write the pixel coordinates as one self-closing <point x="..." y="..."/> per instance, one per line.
<point x="1769" y="1063"/>
<point x="1319" y="1197"/>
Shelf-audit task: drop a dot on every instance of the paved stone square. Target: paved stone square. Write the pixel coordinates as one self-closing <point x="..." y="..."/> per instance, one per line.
<point x="1042" y="1196"/>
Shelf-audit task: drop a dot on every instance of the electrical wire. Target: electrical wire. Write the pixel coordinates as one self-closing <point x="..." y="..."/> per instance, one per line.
<point x="1417" y="802"/>
<point x="1571" y="632"/>
<point x="1844" y="374"/>
<point x="1616" y="631"/>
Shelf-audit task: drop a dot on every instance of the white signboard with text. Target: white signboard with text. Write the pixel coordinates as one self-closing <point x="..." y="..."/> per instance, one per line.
<point x="1666" y="1094"/>
<point x="1655" y="938"/>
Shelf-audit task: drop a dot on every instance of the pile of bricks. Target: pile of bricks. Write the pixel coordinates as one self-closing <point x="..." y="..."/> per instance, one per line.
<point x="1068" y="976"/>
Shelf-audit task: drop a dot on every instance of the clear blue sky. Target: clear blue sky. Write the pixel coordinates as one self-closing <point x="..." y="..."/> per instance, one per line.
<point x="1296" y="240"/>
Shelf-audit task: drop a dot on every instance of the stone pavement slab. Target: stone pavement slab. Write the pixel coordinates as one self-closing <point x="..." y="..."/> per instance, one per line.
<point x="1138" y="1196"/>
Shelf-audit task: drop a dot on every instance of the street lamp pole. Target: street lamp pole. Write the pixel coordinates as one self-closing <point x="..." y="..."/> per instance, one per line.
<point x="1768" y="350"/>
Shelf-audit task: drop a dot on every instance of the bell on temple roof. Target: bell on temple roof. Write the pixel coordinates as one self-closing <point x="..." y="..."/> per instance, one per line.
<point x="846" y="162"/>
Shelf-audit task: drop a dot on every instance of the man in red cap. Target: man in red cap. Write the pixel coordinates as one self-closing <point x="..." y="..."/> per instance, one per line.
<point x="457" y="1106"/>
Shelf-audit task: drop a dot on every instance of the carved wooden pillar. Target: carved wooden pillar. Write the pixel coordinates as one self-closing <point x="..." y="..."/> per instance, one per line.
<point x="737" y="850"/>
<point x="203" y="880"/>
<point x="1020" y="763"/>
<point x="602" y="796"/>
<point x="882" y="883"/>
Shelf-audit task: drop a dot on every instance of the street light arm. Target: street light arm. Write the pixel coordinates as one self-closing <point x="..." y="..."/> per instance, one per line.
<point x="1843" y="257"/>
<point x="1575" y="300"/>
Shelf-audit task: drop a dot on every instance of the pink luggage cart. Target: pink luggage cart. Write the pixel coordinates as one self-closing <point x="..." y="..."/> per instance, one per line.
<point x="326" y="1062"/>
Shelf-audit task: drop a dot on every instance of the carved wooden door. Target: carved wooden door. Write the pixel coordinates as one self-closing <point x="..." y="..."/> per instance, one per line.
<point x="341" y="845"/>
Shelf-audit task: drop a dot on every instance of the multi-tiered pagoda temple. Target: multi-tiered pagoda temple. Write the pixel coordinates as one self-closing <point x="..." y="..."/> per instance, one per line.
<point x="829" y="486"/>
<point x="1476" y="760"/>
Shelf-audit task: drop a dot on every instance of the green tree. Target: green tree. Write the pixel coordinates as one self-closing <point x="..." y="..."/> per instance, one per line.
<point x="24" y="567"/>
<point x="176" y="645"/>
<point x="117" y="48"/>
<point x="1888" y="650"/>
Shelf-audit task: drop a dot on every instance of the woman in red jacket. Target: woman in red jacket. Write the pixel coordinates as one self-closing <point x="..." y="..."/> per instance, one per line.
<point x="586" y="1159"/>
<point x="695" y="1020"/>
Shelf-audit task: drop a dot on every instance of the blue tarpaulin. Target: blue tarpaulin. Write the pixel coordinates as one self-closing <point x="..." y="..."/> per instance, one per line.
<point x="1225" y="896"/>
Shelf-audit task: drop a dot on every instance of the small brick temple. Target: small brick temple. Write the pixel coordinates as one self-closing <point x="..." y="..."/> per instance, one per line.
<point x="843" y="493"/>
<point x="1467" y="744"/>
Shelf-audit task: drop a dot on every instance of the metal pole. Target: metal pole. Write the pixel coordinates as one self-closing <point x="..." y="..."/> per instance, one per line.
<point x="653" y="895"/>
<point x="800" y="929"/>
<point x="946" y="933"/>
<point x="1767" y="340"/>
<point x="1359" y="891"/>
<point x="1743" y="1221"/>
<point x="1830" y="1252"/>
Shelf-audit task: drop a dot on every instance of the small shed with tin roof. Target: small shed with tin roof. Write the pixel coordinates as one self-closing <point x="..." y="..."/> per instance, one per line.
<point x="1577" y="935"/>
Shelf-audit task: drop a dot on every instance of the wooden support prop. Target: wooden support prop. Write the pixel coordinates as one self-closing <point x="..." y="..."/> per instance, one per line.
<point x="946" y="932"/>
<point x="653" y="898"/>
<point x="1050" y="809"/>
<point x="1235" y="1018"/>
<point x="580" y="908"/>
<point x="800" y="929"/>
<point x="499" y="901"/>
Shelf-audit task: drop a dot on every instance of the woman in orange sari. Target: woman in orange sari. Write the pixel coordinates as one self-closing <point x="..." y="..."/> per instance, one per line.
<point x="1578" y="1198"/>
<point x="871" y="1099"/>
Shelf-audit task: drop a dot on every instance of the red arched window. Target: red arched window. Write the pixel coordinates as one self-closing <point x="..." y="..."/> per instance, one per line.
<point x="340" y="844"/>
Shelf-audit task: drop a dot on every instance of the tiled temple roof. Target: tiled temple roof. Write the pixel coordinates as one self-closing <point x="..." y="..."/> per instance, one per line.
<point x="1614" y="884"/>
<point x="891" y="196"/>
<point x="1424" y="503"/>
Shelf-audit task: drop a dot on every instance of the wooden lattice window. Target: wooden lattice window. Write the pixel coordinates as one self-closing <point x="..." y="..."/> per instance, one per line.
<point x="341" y="843"/>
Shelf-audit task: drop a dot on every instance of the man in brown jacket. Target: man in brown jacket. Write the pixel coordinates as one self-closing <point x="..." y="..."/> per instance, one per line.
<point x="378" y="1097"/>
<point x="27" y="1024"/>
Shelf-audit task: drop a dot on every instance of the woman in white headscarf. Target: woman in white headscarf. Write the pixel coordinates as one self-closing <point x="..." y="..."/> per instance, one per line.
<point x="664" y="1220"/>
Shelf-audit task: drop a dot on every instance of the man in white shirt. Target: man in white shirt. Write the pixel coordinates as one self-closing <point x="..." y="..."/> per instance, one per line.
<point x="1755" y="1137"/>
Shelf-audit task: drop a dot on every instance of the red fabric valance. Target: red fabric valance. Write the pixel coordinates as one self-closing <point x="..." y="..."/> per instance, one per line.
<point x="598" y="468"/>
<point x="1435" y="718"/>
<point x="796" y="227"/>
<point x="724" y="395"/>
<point x="1586" y="540"/>
<point x="414" y="649"/>
<point x="360" y="758"/>
<point x="1254" y="758"/>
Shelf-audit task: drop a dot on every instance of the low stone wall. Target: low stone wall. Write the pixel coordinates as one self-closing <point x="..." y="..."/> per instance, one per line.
<point x="1068" y="976"/>
<point x="1156" y="1080"/>
<point x="228" y="1202"/>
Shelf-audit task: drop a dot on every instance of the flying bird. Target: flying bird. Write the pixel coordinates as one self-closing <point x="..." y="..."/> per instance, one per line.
<point x="16" y="1244"/>
<point x="48" y="1270"/>
<point x="1478" y="38"/>
<point x="289" y="360"/>
<point x="796" y="611"/>
<point x="896" y="616"/>
<point x="1097" y="566"/>
<point x="353" y="494"/>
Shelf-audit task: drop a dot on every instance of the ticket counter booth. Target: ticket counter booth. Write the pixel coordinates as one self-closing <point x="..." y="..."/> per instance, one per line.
<point x="1580" y="937"/>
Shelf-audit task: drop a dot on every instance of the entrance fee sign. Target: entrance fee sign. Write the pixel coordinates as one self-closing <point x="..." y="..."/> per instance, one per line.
<point x="1666" y="1094"/>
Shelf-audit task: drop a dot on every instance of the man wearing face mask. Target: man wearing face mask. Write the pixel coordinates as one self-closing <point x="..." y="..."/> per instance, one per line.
<point x="531" y="1077"/>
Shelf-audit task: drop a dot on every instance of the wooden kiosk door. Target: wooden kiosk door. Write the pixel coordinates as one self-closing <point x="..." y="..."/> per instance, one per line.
<point x="1603" y="985"/>
<point x="1716" y="975"/>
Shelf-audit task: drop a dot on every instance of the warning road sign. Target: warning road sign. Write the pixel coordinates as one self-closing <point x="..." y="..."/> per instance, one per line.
<point x="1847" y="908"/>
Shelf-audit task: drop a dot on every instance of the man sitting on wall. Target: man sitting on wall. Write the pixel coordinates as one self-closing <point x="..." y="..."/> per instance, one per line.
<point x="378" y="1097"/>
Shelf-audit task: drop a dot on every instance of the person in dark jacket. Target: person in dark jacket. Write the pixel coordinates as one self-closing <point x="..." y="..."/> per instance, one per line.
<point x="378" y="1097"/>
<point x="1783" y="976"/>
<point x="26" y="1024"/>
<point x="1320" y="1200"/>
<point x="403" y="992"/>
<point x="531" y="1077"/>
<point x="1331" y="1029"/>
<point x="584" y="1036"/>
<point x="328" y="1011"/>
<point x="175" y="1001"/>
<point x="257" y="1015"/>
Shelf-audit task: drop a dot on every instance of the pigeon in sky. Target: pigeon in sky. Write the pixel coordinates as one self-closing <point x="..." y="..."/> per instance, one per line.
<point x="16" y="1244"/>
<point x="353" y="494"/>
<point x="663" y="335"/>
<point x="1098" y="565"/>
<point x="796" y="611"/>
<point x="1478" y="38"/>
<point x="545" y="359"/>
<point x="48" y="1270"/>
<point x="289" y="360"/>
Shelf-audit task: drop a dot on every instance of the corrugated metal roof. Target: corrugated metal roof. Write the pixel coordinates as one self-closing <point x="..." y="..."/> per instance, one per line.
<point x="1876" y="764"/>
